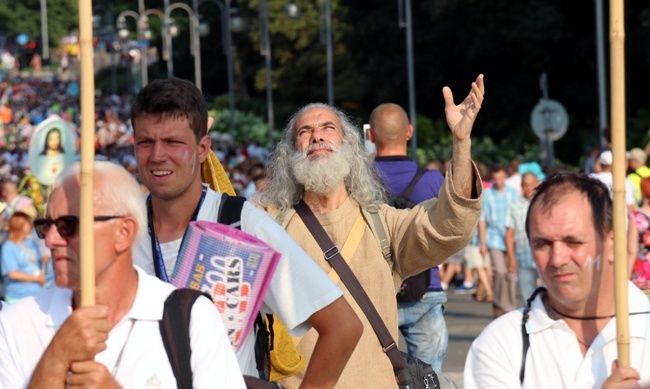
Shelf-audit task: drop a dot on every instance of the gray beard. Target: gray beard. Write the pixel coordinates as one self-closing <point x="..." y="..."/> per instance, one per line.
<point x="321" y="174"/>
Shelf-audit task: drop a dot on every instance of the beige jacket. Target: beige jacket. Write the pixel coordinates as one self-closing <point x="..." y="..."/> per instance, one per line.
<point x="420" y="239"/>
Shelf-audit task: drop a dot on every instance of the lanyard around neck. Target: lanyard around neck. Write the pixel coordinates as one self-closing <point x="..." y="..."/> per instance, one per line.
<point x="158" y="261"/>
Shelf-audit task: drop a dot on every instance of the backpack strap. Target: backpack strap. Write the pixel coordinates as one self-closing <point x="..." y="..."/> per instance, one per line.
<point x="409" y="189"/>
<point x="175" y="333"/>
<point x="377" y="223"/>
<point x="230" y="208"/>
<point x="524" y="332"/>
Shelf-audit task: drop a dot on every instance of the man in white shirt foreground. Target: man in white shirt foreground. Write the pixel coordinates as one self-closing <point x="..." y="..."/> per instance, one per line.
<point x="571" y="325"/>
<point x="49" y="341"/>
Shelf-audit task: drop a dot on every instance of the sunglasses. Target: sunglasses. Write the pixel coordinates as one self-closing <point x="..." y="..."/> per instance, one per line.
<point x="66" y="225"/>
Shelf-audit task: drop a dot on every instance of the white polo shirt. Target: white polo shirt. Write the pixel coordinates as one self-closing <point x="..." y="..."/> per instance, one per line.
<point x="28" y="326"/>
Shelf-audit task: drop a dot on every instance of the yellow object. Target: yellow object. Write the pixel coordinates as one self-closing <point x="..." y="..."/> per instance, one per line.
<point x="285" y="360"/>
<point x="212" y="173"/>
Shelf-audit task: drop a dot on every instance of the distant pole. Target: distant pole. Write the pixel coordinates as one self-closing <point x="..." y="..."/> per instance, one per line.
<point x="231" y="74"/>
<point x="144" y="71"/>
<point x="168" y="42"/>
<point x="44" y="35"/>
<point x="266" y="51"/>
<point x="406" y="21"/>
<point x="602" y="86"/>
<point x="330" y="60"/>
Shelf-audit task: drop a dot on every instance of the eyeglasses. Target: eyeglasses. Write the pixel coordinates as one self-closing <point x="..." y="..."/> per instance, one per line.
<point x="66" y="225"/>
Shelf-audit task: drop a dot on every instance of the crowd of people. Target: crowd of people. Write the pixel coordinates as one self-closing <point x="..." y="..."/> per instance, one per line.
<point x="521" y="233"/>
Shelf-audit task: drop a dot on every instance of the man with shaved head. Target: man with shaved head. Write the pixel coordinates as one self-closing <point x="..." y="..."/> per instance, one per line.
<point x="421" y="321"/>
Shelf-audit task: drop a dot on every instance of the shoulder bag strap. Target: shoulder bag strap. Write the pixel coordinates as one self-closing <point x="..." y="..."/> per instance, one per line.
<point x="409" y="189"/>
<point x="377" y="224"/>
<point x="333" y="256"/>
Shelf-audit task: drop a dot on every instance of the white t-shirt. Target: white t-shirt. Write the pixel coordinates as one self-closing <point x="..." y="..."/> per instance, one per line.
<point x="554" y="359"/>
<point x="28" y="326"/>
<point x="298" y="289"/>
<point x="607" y="179"/>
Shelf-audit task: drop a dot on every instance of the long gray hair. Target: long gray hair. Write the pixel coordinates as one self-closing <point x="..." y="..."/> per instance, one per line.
<point x="364" y="185"/>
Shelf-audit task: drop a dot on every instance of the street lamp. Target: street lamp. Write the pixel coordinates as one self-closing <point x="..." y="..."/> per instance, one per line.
<point x="292" y="11"/>
<point x="144" y="34"/>
<point x="226" y="37"/>
<point x="195" y="49"/>
<point x="405" y="21"/>
<point x="265" y="50"/>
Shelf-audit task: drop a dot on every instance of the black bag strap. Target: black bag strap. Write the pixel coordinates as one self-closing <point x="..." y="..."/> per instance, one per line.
<point x="409" y="189"/>
<point x="335" y="259"/>
<point x="230" y="210"/>
<point x="175" y="332"/>
<point x="524" y="333"/>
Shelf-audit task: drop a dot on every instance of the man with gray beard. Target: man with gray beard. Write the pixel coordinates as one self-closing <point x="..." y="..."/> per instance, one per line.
<point x="321" y="161"/>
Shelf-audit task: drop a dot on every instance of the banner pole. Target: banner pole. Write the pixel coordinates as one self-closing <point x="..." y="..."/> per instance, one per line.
<point x="87" y="151"/>
<point x="617" y="64"/>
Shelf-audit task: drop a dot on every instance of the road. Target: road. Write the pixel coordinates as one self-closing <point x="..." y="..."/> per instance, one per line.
<point x="465" y="319"/>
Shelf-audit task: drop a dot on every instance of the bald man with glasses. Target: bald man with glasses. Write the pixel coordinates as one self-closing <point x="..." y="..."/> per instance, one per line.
<point x="49" y="340"/>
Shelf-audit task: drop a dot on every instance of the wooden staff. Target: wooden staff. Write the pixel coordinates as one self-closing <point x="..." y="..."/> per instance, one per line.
<point x="617" y="63"/>
<point x="86" y="217"/>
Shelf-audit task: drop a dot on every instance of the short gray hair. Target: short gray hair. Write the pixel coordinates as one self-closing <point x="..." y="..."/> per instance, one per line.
<point x="117" y="192"/>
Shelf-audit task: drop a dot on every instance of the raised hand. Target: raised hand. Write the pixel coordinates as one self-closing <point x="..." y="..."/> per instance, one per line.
<point x="461" y="117"/>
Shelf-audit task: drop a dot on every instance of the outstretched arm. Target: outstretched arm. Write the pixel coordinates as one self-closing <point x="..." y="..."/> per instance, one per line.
<point x="460" y="119"/>
<point x="336" y="341"/>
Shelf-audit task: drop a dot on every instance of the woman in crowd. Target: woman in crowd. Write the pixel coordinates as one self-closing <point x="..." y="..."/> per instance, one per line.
<point x="22" y="269"/>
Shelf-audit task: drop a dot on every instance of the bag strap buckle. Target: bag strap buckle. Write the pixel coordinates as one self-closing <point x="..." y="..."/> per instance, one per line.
<point x="331" y="253"/>
<point x="389" y="347"/>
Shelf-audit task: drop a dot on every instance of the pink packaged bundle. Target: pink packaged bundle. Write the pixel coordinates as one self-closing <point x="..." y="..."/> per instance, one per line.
<point x="233" y="267"/>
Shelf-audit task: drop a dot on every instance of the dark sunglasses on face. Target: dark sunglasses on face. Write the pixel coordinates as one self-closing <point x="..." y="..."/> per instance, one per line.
<point x="66" y="225"/>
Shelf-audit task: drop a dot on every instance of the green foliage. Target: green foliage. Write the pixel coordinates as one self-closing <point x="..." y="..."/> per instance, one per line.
<point x="23" y="17"/>
<point x="248" y="126"/>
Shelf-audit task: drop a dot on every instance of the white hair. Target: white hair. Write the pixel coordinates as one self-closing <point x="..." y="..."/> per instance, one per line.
<point x="363" y="183"/>
<point x="115" y="191"/>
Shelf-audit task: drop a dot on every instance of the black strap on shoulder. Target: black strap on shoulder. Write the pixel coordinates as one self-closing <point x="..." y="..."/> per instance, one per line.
<point x="230" y="210"/>
<point x="524" y="333"/>
<point x="409" y="189"/>
<point x="175" y="332"/>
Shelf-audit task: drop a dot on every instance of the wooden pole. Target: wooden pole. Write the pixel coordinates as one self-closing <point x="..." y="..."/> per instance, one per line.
<point x="86" y="217"/>
<point x="617" y="64"/>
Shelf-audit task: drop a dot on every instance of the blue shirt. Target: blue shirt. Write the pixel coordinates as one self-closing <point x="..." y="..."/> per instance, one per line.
<point x="516" y="219"/>
<point x="397" y="172"/>
<point x="495" y="205"/>
<point x="26" y="258"/>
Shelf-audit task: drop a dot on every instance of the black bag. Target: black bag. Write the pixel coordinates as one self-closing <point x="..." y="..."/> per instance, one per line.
<point x="418" y="375"/>
<point x="414" y="287"/>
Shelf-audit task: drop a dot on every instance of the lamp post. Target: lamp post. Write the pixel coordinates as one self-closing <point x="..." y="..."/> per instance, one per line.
<point x="265" y="50"/>
<point x="405" y="21"/>
<point x="195" y="48"/>
<point x="292" y="10"/>
<point x="226" y="37"/>
<point x="326" y="20"/>
<point x="45" y="40"/>
<point x="144" y="34"/>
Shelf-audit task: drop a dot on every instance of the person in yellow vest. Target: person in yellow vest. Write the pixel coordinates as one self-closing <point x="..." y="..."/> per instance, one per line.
<point x="636" y="159"/>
